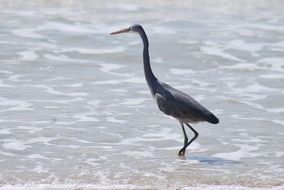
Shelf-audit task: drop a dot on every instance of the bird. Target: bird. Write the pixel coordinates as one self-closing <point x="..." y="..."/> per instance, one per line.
<point x="171" y="101"/>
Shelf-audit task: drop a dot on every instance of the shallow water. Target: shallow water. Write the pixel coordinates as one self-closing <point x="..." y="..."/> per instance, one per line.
<point x="76" y="111"/>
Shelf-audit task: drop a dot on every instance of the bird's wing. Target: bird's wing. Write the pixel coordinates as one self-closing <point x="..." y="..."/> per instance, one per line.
<point x="171" y="106"/>
<point x="163" y="104"/>
<point x="182" y="106"/>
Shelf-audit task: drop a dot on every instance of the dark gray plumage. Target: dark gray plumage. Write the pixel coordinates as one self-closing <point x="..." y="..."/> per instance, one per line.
<point x="171" y="101"/>
<point x="181" y="106"/>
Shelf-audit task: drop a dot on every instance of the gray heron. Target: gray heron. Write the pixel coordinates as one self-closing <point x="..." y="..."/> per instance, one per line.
<point x="171" y="101"/>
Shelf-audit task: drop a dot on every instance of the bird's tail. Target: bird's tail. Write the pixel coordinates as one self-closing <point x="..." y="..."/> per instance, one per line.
<point x="212" y="118"/>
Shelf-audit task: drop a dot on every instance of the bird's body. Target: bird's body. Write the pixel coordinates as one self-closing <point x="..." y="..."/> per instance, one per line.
<point x="181" y="106"/>
<point x="171" y="101"/>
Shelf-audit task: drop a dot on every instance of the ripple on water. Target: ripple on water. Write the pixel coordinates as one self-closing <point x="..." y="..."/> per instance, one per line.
<point x="74" y="113"/>
<point x="243" y="67"/>
<point x="3" y="85"/>
<point x="274" y="63"/>
<point x="138" y="154"/>
<point x="95" y="52"/>
<point x="115" y="120"/>
<point x="86" y="117"/>
<point x="210" y="48"/>
<point x="66" y="28"/>
<point x="16" y="145"/>
<point x="244" y="151"/>
<point x="134" y="101"/>
<point x="241" y="44"/>
<point x="29" y="55"/>
<point x="27" y="33"/>
<point x="15" y="105"/>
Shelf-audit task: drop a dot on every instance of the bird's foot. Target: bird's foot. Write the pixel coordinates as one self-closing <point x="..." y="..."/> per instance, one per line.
<point x="181" y="156"/>
<point x="181" y="153"/>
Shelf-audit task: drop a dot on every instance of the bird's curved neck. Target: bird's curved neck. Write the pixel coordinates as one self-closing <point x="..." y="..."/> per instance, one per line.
<point x="150" y="77"/>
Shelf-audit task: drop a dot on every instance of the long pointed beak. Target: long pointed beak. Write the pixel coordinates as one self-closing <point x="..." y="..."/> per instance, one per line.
<point x="120" y="31"/>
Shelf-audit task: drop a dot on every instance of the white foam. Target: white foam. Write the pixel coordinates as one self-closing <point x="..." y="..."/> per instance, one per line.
<point x="66" y="28"/>
<point x="243" y="67"/>
<point x="129" y="187"/>
<point x="28" y="55"/>
<point x="243" y="152"/>
<point x="7" y="154"/>
<point x="138" y="154"/>
<point x="27" y="32"/>
<point x="51" y="90"/>
<point x="275" y="110"/>
<point x="157" y="60"/>
<point x="59" y="58"/>
<point x="162" y="30"/>
<point x="115" y="120"/>
<point x="181" y="71"/>
<point x="231" y="187"/>
<point x="57" y="78"/>
<point x="21" y="13"/>
<point x="15" y="105"/>
<point x="37" y="156"/>
<point x="73" y="187"/>
<point x="194" y="147"/>
<point x="274" y="63"/>
<point x="86" y="117"/>
<point x="253" y="87"/>
<point x="134" y="101"/>
<point x="200" y="83"/>
<point x="75" y="85"/>
<point x="244" y="46"/>
<point x="15" y="145"/>
<point x="162" y="134"/>
<point x="59" y="101"/>
<point x="217" y="51"/>
<point x="65" y="123"/>
<point x="118" y="49"/>
<point x="18" y="78"/>
<point x="5" y="131"/>
<point x="281" y="122"/>
<point x="40" y="139"/>
<point x="39" y="169"/>
<point x="92" y="162"/>
<point x="266" y="26"/>
<point x="107" y="82"/>
<point x="109" y="68"/>
<point x="125" y="6"/>
<point x="272" y="76"/>
<point x="3" y="85"/>
<point x="118" y="91"/>
<point x="253" y="104"/>
<point x="135" y="80"/>
<point x="30" y="129"/>
<point x="279" y="154"/>
<point x="94" y="102"/>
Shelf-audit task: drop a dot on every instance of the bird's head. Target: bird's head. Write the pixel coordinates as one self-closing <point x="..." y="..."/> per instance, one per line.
<point x="133" y="28"/>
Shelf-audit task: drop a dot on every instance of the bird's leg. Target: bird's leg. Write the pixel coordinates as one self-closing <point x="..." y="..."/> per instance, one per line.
<point x="195" y="137"/>
<point x="185" y="135"/>
<point x="182" y="151"/>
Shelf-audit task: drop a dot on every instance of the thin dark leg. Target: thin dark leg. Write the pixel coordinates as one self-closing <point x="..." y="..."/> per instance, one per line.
<point x="195" y="137"/>
<point x="182" y="151"/>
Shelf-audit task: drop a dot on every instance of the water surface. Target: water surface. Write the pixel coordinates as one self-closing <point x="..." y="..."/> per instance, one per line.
<point x="76" y="111"/>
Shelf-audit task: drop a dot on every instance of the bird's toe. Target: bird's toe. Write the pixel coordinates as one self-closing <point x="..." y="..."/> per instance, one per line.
<point x="181" y="153"/>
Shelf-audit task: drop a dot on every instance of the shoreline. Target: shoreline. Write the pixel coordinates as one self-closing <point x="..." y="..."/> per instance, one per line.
<point x="129" y="187"/>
